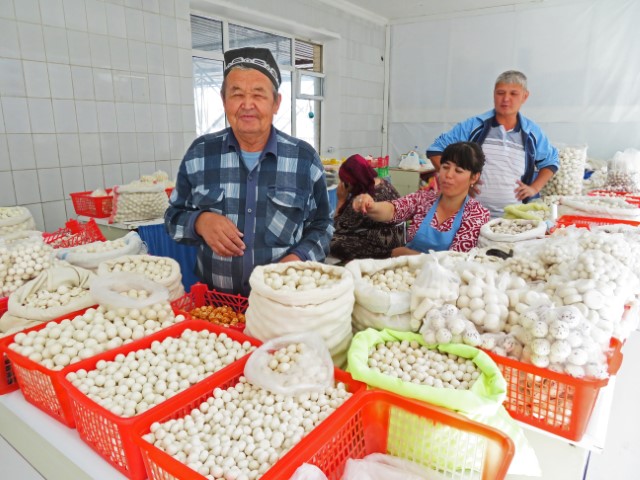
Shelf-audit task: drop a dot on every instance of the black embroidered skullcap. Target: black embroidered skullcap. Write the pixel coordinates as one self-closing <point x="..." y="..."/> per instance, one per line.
<point x="260" y="59"/>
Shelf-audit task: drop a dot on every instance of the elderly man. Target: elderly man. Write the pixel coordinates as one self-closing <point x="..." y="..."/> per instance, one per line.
<point x="249" y="194"/>
<point x="520" y="160"/>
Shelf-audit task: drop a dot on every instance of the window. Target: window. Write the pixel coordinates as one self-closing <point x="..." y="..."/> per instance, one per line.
<point x="300" y="68"/>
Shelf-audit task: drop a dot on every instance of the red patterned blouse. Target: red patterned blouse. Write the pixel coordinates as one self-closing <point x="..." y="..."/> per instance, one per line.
<point x="415" y="207"/>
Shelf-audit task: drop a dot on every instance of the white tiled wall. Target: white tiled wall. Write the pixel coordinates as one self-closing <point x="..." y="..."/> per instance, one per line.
<point x="83" y="97"/>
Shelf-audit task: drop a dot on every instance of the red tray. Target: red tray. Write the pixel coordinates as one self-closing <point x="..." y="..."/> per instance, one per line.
<point x="160" y="465"/>
<point x="199" y="295"/>
<point x="110" y="435"/>
<point x="73" y="234"/>
<point x="551" y="401"/>
<point x="587" y="222"/>
<point x="40" y="386"/>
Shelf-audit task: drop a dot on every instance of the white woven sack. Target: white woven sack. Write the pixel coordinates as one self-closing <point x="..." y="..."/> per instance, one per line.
<point x="487" y="237"/>
<point x="173" y="281"/>
<point x="91" y="260"/>
<point x="50" y="280"/>
<point x="363" y="318"/>
<point x="138" y="201"/>
<point x="301" y="297"/>
<point x="16" y="219"/>
<point x="375" y="299"/>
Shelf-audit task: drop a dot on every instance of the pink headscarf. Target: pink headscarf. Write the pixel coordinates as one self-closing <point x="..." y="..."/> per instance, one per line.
<point x="358" y="173"/>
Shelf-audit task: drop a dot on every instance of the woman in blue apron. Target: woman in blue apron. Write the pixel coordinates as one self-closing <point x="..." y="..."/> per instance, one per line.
<point x="446" y="220"/>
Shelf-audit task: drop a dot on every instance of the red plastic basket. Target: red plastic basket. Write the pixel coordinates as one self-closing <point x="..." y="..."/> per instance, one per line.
<point x="8" y="381"/>
<point x="554" y="402"/>
<point x="98" y="207"/>
<point x="587" y="222"/>
<point x="74" y="233"/>
<point x="110" y="435"/>
<point x="199" y="296"/>
<point x="383" y="422"/>
<point x="160" y="465"/>
<point x="40" y="386"/>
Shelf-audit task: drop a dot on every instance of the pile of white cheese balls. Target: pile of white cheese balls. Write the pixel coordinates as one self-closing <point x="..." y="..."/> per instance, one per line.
<point x="240" y="432"/>
<point x="60" y="297"/>
<point x="412" y="362"/>
<point x="512" y="226"/>
<point x="398" y="279"/>
<point x="133" y="383"/>
<point x="300" y="279"/>
<point x="98" y="247"/>
<point x="62" y="343"/>
<point x="21" y="263"/>
<point x="152" y="267"/>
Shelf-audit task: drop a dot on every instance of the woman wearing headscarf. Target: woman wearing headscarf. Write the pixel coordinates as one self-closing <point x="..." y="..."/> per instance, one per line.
<point x="357" y="236"/>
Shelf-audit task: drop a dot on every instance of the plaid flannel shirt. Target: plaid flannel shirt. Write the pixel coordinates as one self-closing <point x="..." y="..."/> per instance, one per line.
<point x="281" y="206"/>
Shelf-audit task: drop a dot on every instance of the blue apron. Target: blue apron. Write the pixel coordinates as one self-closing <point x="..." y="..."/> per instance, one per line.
<point x="428" y="238"/>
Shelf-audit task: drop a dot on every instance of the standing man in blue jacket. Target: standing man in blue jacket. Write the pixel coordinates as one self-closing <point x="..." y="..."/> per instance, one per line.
<point x="520" y="160"/>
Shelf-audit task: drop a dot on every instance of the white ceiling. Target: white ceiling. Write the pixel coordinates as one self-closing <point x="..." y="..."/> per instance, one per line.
<point x="406" y="10"/>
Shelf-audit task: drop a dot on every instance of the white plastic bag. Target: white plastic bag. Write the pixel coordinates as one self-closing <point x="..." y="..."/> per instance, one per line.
<point x="568" y="179"/>
<point x="91" y="255"/>
<point x="291" y="364"/>
<point x="411" y="161"/>
<point x="378" y="466"/>
<point x="110" y="290"/>
<point x="501" y="230"/>
<point x="307" y="471"/>
<point x="623" y="171"/>
<point x="435" y="286"/>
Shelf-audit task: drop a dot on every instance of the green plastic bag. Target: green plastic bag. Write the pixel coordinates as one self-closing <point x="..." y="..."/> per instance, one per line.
<point x="485" y="395"/>
<point x="482" y="402"/>
<point x="527" y="211"/>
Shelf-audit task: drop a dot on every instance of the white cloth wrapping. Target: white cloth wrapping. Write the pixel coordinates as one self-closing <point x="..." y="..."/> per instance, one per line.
<point x="133" y="245"/>
<point x="20" y="316"/>
<point x="326" y="311"/>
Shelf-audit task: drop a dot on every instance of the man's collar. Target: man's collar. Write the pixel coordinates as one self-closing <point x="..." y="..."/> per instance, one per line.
<point x="494" y="122"/>
<point x="270" y="147"/>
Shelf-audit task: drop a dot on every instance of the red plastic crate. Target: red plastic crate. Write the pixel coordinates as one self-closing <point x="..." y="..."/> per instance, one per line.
<point x="8" y="381"/>
<point x="110" y="435"/>
<point x="40" y="386"/>
<point x="98" y="207"/>
<point x="383" y="422"/>
<point x="199" y="295"/>
<point x="555" y="402"/>
<point x="586" y="222"/>
<point x="73" y="234"/>
<point x="160" y="465"/>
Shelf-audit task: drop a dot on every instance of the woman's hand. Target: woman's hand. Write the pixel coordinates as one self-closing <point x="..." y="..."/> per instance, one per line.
<point x="401" y="251"/>
<point x="221" y="234"/>
<point x="362" y="203"/>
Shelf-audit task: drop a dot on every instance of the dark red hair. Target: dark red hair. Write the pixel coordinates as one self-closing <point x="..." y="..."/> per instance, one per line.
<point x="357" y="172"/>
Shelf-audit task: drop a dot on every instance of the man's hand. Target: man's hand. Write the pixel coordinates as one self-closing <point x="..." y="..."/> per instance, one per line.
<point x="523" y="191"/>
<point x="221" y="234"/>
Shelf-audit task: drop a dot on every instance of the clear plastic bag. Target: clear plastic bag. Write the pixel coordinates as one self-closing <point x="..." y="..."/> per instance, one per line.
<point x="433" y="287"/>
<point x="378" y="466"/>
<point x="138" y="201"/>
<point x="291" y="364"/>
<point x="15" y="219"/>
<point x="623" y="171"/>
<point x="568" y="179"/>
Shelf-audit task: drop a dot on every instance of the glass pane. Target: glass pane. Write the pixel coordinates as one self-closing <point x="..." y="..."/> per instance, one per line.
<point x="308" y="56"/>
<point x="248" y="37"/>
<point x="308" y="122"/>
<point x="311" y="85"/>
<point x="282" y="120"/>
<point x="206" y="34"/>
<point x="207" y="81"/>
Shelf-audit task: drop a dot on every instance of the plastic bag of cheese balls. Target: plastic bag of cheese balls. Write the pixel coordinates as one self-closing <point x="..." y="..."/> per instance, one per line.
<point x="562" y="340"/>
<point x="23" y="255"/>
<point x="15" y="219"/>
<point x="447" y="325"/>
<point x="291" y="364"/>
<point x="432" y="288"/>
<point x="127" y="291"/>
<point x="138" y="201"/>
